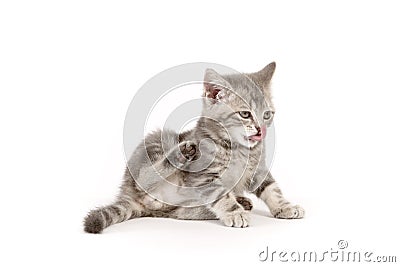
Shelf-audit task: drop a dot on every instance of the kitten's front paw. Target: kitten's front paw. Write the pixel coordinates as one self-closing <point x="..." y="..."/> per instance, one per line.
<point x="245" y="202"/>
<point x="289" y="212"/>
<point x="237" y="218"/>
<point x="188" y="150"/>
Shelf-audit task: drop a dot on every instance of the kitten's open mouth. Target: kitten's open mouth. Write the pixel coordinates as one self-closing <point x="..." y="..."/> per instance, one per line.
<point x="256" y="137"/>
<point x="259" y="136"/>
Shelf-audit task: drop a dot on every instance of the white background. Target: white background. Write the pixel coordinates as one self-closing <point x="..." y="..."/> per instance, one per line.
<point x="69" y="69"/>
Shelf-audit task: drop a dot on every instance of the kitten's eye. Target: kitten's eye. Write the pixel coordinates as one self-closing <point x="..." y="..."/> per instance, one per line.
<point x="268" y="115"/>
<point x="245" y="114"/>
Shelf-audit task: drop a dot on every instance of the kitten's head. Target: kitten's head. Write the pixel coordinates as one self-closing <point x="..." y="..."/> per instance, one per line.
<point x="241" y="103"/>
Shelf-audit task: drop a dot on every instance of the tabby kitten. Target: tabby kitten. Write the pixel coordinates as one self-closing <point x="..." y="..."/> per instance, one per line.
<point x="203" y="173"/>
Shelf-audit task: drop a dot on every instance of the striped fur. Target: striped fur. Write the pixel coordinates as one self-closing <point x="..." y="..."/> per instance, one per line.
<point x="235" y="163"/>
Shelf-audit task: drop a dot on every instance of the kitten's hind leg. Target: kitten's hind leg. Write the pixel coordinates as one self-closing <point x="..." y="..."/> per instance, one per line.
<point x="189" y="150"/>
<point x="164" y="168"/>
<point x="176" y="157"/>
<point x="271" y="194"/>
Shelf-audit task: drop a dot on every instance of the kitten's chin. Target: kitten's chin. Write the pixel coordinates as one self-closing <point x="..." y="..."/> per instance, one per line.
<point x="252" y="143"/>
<point x="249" y="143"/>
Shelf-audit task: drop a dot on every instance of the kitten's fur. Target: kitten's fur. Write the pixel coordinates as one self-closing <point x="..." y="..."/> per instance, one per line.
<point x="233" y="153"/>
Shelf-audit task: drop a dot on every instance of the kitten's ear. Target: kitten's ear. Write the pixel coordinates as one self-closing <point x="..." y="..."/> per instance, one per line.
<point x="268" y="71"/>
<point x="215" y="86"/>
<point x="264" y="76"/>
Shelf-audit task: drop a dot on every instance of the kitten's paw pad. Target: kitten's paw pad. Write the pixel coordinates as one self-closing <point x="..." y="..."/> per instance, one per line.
<point x="289" y="212"/>
<point x="236" y="219"/>
<point x="188" y="150"/>
<point x="245" y="202"/>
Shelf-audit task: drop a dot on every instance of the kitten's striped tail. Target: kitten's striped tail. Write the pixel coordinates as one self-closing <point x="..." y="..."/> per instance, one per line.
<point x="99" y="219"/>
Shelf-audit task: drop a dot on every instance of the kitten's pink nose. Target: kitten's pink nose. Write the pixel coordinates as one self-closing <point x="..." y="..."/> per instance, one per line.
<point x="262" y="131"/>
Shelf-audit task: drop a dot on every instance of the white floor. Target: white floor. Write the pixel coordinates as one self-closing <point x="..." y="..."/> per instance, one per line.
<point x="198" y="243"/>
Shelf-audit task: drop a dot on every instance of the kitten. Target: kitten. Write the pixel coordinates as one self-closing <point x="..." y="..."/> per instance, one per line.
<point x="203" y="173"/>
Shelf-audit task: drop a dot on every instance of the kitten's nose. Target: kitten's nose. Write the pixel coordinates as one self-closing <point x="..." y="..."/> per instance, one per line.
<point x="261" y="131"/>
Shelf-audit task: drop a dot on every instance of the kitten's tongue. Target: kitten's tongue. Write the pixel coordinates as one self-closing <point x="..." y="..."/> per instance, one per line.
<point x="261" y="136"/>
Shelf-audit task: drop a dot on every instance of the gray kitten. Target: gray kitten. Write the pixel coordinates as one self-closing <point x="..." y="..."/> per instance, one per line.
<point x="205" y="171"/>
